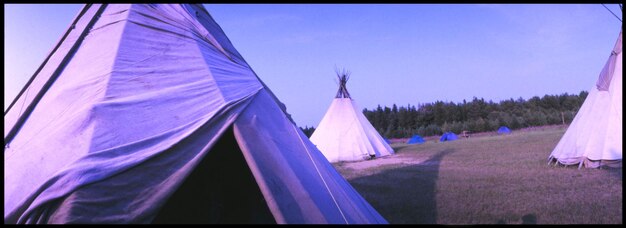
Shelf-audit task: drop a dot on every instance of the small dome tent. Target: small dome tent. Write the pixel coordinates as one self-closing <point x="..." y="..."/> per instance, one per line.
<point x="504" y="130"/>
<point x="448" y="136"/>
<point x="416" y="139"/>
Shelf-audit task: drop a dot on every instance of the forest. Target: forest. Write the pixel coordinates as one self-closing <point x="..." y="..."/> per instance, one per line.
<point x="477" y="115"/>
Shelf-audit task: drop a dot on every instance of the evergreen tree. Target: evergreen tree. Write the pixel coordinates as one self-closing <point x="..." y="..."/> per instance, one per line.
<point x="307" y="131"/>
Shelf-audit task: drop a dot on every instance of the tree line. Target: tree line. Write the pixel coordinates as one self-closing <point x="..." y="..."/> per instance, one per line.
<point x="476" y="115"/>
<point x="308" y="131"/>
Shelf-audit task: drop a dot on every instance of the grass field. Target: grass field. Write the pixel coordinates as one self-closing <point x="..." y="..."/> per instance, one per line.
<point x="486" y="180"/>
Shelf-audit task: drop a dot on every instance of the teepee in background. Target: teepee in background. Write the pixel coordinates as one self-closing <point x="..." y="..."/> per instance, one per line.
<point x="594" y="138"/>
<point x="345" y="134"/>
<point x="148" y="114"/>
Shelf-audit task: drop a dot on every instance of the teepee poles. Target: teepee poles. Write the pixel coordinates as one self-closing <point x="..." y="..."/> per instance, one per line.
<point x="343" y="77"/>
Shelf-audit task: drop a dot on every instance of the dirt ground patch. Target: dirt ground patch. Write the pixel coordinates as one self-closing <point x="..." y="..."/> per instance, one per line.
<point x="377" y="162"/>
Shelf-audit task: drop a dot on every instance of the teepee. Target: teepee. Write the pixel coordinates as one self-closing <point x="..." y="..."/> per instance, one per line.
<point x="148" y="114"/>
<point x="345" y="134"/>
<point x="594" y="138"/>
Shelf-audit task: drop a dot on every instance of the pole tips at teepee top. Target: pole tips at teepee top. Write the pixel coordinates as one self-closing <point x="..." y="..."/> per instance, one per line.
<point x="343" y="77"/>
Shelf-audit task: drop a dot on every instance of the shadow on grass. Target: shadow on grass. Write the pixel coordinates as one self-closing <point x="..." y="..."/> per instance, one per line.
<point x="526" y="219"/>
<point x="412" y="197"/>
<point x="615" y="172"/>
<point x="529" y="219"/>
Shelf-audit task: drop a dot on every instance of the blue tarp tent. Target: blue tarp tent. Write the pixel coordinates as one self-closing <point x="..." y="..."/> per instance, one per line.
<point x="448" y="136"/>
<point x="504" y="130"/>
<point x="416" y="139"/>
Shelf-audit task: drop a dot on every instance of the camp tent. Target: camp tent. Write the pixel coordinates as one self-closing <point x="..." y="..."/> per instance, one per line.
<point x="345" y="134"/>
<point x="448" y="136"/>
<point x="594" y="138"/>
<point x="504" y="130"/>
<point x="416" y="139"/>
<point x="148" y="114"/>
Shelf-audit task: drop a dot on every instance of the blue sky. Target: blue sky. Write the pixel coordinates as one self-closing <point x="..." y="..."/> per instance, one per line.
<point x="397" y="53"/>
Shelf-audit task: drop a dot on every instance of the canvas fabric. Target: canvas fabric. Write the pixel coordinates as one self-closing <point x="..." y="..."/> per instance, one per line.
<point x="127" y="106"/>
<point x="595" y="134"/>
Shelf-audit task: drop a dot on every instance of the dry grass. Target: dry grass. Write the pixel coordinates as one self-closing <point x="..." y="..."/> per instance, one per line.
<point x="486" y="180"/>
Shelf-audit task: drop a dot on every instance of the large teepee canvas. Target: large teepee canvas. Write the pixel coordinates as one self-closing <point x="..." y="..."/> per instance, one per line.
<point x="345" y="134"/>
<point x="148" y="114"/>
<point x="594" y="138"/>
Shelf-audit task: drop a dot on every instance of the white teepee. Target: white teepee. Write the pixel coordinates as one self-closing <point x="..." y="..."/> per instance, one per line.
<point x="345" y="134"/>
<point x="148" y="114"/>
<point x="594" y="138"/>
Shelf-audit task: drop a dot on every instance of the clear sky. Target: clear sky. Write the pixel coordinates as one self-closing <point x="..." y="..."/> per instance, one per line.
<point x="397" y="53"/>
